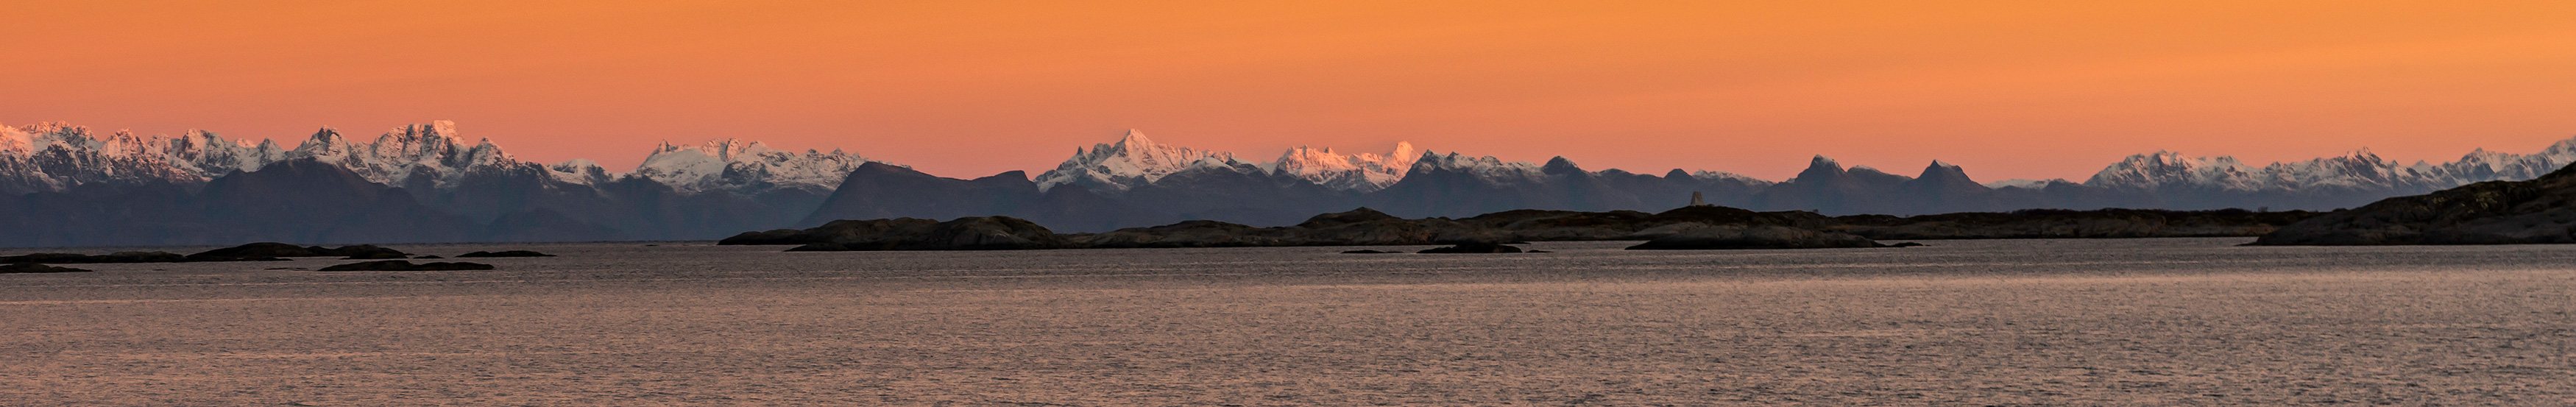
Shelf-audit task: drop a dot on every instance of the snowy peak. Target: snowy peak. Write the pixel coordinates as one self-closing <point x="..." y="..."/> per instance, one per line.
<point x="1706" y="175"/>
<point x="2167" y="168"/>
<point x="1820" y="169"/>
<point x="744" y="166"/>
<point x="2359" y="169"/>
<point x="1945" y="172"/>
<point x="1363" y="172"/>
<point x="52" y="156"/>
<point x="1488" y="168"/>
<point x="2024" y="183"/>
<point x="1133" y="161"/>
<point x="432" y="153"/>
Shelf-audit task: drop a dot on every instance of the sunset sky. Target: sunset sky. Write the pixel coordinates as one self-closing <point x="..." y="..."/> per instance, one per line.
<point x="2041" y="89"/>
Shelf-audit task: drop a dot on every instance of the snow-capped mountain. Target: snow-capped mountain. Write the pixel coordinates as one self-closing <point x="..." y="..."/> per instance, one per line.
<point x="1133" y="161"/>
<point x="433" y="152"/>
<point x="1706" y="175"/>
<point x="2359" y="170"/>
<point x="1362" y="172"/>
<point x="53" y="156"/>
<point x="2024" y="183"/>
<point x="745" y="166"/>
<point x="1488" y="168"/>
<point x="59" y="156"/>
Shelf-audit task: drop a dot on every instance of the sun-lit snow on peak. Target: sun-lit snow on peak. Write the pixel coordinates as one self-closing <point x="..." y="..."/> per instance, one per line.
<point x="2359" y="169"/>
<point x="748" y="166"/>
<point x="435" y="151"/>
<point x="580" y="171"/>
<point x="1488" y="168"/>
<point x="2162" y="168"/>
<point x="1361" y="172"/>
<point x="1134" y="160"/>
<point x="50" y="156"/>
<point x="1705" y="175"/>
<point x="2022" y="183"/>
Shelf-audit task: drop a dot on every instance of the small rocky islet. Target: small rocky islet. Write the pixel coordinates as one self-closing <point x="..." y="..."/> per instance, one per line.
<point x="261" y="251"/>
<point x="33" y="268"/>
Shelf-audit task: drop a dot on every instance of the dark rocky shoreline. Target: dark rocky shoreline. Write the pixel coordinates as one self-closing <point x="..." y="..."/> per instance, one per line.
<point x="2541" y="210"/>
<point x="261" y="251"/>
<point x="1693" y="226"/>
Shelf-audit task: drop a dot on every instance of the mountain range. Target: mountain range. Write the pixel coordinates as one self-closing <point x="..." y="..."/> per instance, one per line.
<point x="65" y="185"/>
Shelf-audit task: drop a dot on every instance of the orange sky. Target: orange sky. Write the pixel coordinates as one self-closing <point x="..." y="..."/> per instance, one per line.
<point x="2041" y="89"/>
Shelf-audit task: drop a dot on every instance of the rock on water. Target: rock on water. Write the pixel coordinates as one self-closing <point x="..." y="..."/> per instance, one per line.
<point x="2541" y="210"/>
<point x="506" y="253"/>
<point x="399" y="265"/>
<point x="1756" y="237"/>
<point x="1473" y="248"/>
<point x="19" y="268"/>
<point x="73" y="258"/>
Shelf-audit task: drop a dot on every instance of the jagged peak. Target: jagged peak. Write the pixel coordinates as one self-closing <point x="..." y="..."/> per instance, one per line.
<point x="326" y="135"/>
<point x="1820" y="168"/>
<point x="1561" y="165"/>
<point x="1133" y="159"/>
<point x="1135" y="137"/>
<point x="734" y="163"/>
<point x="1944" y="170"/>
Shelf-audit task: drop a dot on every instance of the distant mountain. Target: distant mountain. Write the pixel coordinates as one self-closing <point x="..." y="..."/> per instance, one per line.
<point x="1134" y="160"/>
<point x="83" y="188"/>
<point x="745" y="167"/>
<point x="682" y="192"/>
<point x="1362" y="172"/>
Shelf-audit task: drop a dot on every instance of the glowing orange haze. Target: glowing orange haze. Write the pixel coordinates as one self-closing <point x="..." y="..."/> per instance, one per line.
<point x="2040" y="89"/>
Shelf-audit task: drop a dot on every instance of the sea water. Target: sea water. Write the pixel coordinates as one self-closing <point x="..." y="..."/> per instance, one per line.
<point x="2013" y="322"/>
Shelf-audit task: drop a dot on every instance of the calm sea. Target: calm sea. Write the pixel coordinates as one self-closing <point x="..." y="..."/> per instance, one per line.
<point x="1998" y="322"/>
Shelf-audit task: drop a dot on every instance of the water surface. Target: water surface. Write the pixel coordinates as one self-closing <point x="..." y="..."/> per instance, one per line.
<point x="1998" y="322"/>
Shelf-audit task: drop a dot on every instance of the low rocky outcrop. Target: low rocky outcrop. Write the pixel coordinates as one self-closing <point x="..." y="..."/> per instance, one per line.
<point x="264" y="251"/>
<point x="1755" y="237"/>
<point x="2066" y="224"/>
<point x="277" y="251"/>
<point x="968" y="233"/>
<point x="506" y="253"/>
<point x="2541" y="210"/>
<point x="1473" y="248"/>
<point x="25" y="268"/>
<point x="1367" y="227"/>
<point x="1195" y="233"/>
<point x="118" y="257"/>
<point x="400" y="265"/>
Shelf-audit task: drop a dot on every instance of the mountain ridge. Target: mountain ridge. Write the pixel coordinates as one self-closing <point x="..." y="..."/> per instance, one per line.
<point x="726" y="185"/>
